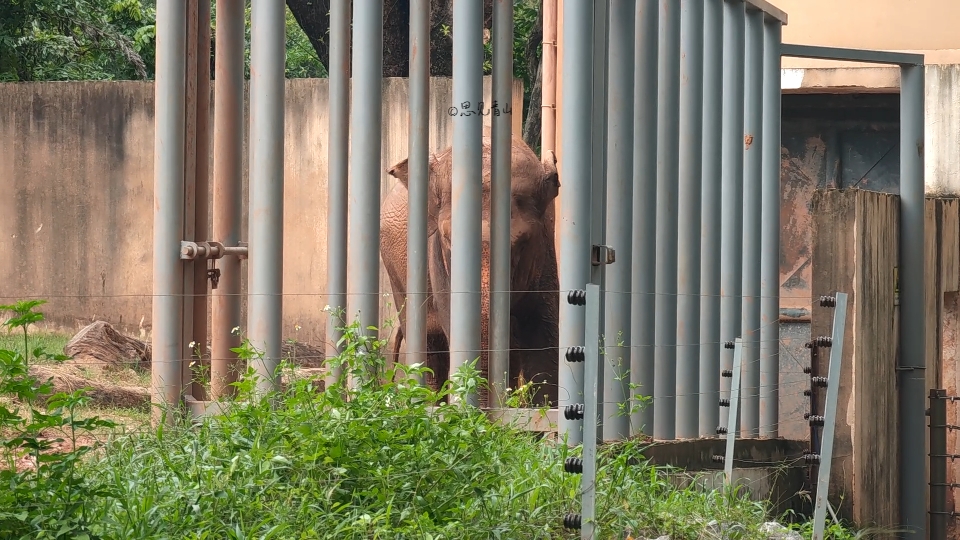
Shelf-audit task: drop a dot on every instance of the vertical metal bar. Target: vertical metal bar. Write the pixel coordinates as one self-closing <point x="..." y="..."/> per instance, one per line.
<point x="731" y="201"/>
<point x="733" y="413"/>
<point x="598" y="191"/>
<point x="548" y="103"/>
<point x="189" y="193"/>
<point x="267" y="60"/>
<point x="938" y="464"/>
<point x="500" y="201"/>
<point x="363" y="255"/>
<point x="227" y="195"/>
<point x="592" y="409"/>
<point x="466" y="225"/>
<point x="415" y="333"/>
<point x="337" y="177"/>
<point x="644" y="256"/>
<point x="668" y="163"/>
<point x="752" y="185"/>
<point x="619" y="200"/>
<point x="770" y="236"/>
<point x="575" y="205"/>
<point x="168" y="212"/>
<point x="689" y="203"/>
<point x="830" y="419"/>
<point x="913" y="492"/>
<point x="202" y="187"/>
<point x="710" y="223"/>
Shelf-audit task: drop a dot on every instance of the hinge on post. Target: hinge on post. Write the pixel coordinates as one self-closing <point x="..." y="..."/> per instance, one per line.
<point x="602" y="255"/>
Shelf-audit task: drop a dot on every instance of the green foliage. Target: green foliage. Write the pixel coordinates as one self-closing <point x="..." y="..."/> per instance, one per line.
<point x="57" y="40"/>
<point x="372" y="455"/>
<point x="43" y="496"/>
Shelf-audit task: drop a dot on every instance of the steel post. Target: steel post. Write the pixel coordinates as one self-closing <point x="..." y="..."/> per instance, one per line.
<point x="710" y="218"/>
<point x="202" y="190"/>
<point x="575" y="136"/>
<point x="499" y="326"/>
<point x="593" y="413"/>
<point x="938" y="464"/>
<point x="829" y="419"/>
<point x="415" y="334"/>
<point x="338" y="142"/>
<point x="644" y="257"/>
<point x="770" y="236"/>
<point x="227" y="195"/>
<point x="913" y="361"/>
<point x="267" y="60"/>
<point x="619" y="201"/>
<point x="689" y="205"/>
<point x="733" y="412"/>
<point x="363" y="254"/>
<point x="731" y="236"/>
<point x="168" y="351"/>
<point x="466" y="229"/>
<point x="752" y="186"/>
<point x="189" y="197"/>
<point x="668" y="163"/>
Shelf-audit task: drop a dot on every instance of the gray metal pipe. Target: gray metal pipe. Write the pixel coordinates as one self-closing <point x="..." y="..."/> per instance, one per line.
<point x="363" y="255"/>
<point x="731" y="235"/>
<point x="752" y="186"/>
<point x="710" y="218"/>
<point x="227" y="195"/>
<point x="668" y="171"/>
<point x="500" y="201"/>
<point x="913" y="360"/>
<point x="770" y="236"/>
<point x="577" y="36"/>
<point x="338" y="133"/>
<point x="267" y="60"/>
<point x="202" y="190"/>
<point x="619" y="235"/>
<point x="415" y="333"/>
<point x="644" y="221"/>
<point x="465" y="257"/>
<point x="168" y="211"/>
<point x="688" y="262"/>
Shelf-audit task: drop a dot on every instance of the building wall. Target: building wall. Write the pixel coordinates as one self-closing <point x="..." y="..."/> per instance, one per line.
<point x="76" y="215"/>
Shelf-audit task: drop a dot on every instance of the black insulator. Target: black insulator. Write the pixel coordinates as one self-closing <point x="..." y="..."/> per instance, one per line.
<point x="816" y="420"/>
<point x="811" y="458"/>
<point x="718" y="459"/>
<point x="724" y="402"/>
<point x="575" y="354"/>
<point x="728" y="345"/>
<point x="577" y="297"/>
<point x="808" y="345"/>
<point x="808" y="370"/>
<point x="806" y="415"/>
<point x="721" y="430"/>
<point x="823" y="341"/>
<point x="808" y="392"/>
<point x="573" y="412"/>
<point x="819" y="381"/>
<point x="726" y="373"/>
<point x="573" y="465"/>
<point x="828" y="301"/>
<point x="571" y="521"/>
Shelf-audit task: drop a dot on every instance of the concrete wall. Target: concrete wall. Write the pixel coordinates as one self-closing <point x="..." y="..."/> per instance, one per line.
<point x="76" y="215"/>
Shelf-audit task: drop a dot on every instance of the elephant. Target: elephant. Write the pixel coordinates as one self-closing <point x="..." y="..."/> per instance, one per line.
<point x="534" y="296"/>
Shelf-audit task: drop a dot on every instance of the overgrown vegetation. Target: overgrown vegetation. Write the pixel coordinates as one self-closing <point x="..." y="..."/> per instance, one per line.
<point x="383" y="458"/>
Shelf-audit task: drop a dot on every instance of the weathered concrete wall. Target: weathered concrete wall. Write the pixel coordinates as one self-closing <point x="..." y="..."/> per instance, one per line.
<point x="76" y="215"/>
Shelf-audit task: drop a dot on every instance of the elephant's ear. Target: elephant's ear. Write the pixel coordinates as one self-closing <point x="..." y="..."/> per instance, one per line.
<point x="400" y="171"/>
<point x="550" y="183"/>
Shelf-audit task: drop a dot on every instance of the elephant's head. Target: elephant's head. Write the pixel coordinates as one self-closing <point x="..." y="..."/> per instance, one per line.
<point x="534" y="186"/>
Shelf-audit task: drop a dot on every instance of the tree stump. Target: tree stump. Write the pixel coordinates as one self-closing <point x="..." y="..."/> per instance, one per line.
<point x="100" y="343"/>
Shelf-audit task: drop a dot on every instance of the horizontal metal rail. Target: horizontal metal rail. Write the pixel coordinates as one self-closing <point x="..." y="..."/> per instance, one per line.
<point x="851" y="55"/>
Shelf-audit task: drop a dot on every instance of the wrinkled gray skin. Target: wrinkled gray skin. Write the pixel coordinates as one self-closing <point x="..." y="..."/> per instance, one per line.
<point x="534" y="300"/>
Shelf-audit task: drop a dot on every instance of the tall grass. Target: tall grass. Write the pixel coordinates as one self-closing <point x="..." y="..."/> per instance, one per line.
<point x="384" y="458"/>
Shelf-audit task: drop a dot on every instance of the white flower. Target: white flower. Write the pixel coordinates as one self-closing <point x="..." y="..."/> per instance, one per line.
<point x="192" y="344"/>
<point x="235" y="330"/>
<point x="326" y="307"/>
<point x="296" y="327"/>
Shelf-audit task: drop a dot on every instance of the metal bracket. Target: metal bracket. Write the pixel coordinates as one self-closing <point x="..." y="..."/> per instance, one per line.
<point x="602" y="255"/>
<point x="210" y="250"/>
<point x="829" y="418"/>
